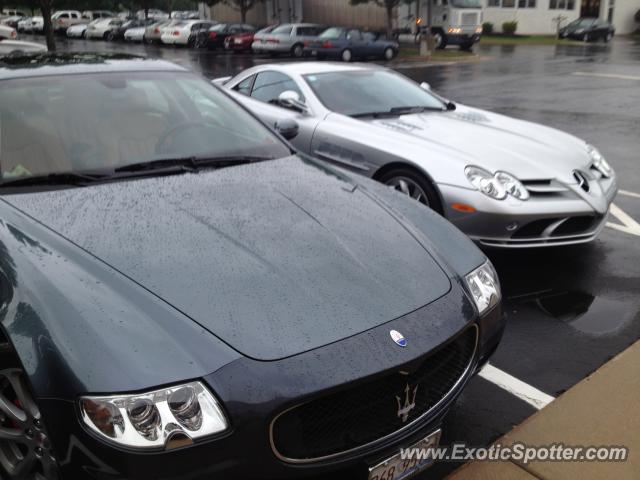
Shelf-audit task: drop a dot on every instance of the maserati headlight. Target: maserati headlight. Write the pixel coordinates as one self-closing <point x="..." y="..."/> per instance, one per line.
<point x="599" y="162"/>
<point x="497" y="185"/>
<point x="484" y="286"/>
<point x="150" y="420"/>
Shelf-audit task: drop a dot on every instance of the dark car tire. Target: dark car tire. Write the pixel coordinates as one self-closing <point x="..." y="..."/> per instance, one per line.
<point x="346" y="55"/>
<point x="110" y="37"/>
<point x="389" y="54"/>
<point x="33" y="441"/>
<point x="297" y="50"/>
<point x="418" y="186"/>
<point x="440" y="40"/>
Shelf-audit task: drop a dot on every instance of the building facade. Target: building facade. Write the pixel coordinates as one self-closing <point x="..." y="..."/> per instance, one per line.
<point x="533" y="16"/>
<point x="542" y="16"/>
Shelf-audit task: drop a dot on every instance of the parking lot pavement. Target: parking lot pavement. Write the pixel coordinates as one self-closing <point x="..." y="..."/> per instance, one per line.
<point x="570" y="309"/>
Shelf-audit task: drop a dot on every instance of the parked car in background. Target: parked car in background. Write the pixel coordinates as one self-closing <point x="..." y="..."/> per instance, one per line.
<point x="8" y="32"/>
<point x="153" y="32"/>
<point x="184" y="32"/>
<point x="588" y="30"/>
<point x="185" y="14"/>
<point x="96" y="14"/>
<point x="12" y="21"/>
<point x="63" y="19"/>
<point x="288" y="38"/>
<point x="509" y="184"/>
<point x="25" y="25"/>
<point x="240" y="42"/>
<point x="11" y="12"/>
<point x="102" y="28"/>
<point x="153" y="13"/>
<point x="215" y="36"/>
<point x="118" y="32"/>
<point x="18" y="47"/>
<point x="79" y="30"/>
<point x="314" y="270"/>
<point x="37" y="24"/>
<point x="347" y="44"/>
<point x="134" y="34"/>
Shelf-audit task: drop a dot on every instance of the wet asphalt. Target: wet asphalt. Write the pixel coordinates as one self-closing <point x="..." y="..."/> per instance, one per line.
<point x="569" y="310"/>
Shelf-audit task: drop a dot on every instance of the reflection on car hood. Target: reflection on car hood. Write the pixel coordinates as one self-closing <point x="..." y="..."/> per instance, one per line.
<point x="275" y="258"/>
<point x="495" y="142"/>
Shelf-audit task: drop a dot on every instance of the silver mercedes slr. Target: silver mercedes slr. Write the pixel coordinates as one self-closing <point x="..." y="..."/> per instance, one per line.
<point x="505" y="182"/>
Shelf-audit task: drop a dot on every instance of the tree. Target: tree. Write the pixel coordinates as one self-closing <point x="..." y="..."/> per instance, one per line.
<point x="389" y="6"/>
<point x="46" y="8"/>
<point x="243" y="6"/>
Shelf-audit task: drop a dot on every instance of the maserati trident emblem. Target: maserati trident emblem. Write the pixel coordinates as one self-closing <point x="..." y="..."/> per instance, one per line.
<point x="403" y="410"/>
<point x="397" y="337"/>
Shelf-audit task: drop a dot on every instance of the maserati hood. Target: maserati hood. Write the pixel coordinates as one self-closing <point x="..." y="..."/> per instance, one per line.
<point x="274" y="258"/>
<point x="492" y="141"/>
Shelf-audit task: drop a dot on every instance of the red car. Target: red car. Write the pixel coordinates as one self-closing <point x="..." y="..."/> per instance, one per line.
<point x="240" y="42"/>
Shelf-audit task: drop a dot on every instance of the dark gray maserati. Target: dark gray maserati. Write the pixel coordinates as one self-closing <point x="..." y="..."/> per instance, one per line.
<point x="183" y="295"/>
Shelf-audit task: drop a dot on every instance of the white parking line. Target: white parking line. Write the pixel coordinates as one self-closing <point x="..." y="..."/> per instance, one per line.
<point x="629" y="194"/>
<point x="606" y="75"/>
<point x="511" y="384"/>
<point x="626" y="225"/>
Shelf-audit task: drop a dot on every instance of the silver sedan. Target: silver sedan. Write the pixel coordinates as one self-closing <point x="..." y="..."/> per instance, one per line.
<point x="504" y="182"/>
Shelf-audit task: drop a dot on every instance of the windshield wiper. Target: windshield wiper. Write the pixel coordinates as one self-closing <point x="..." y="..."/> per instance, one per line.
<point x="397" y="111"/>
<point x="63" y="178"/>
<point x="191" y="163"/>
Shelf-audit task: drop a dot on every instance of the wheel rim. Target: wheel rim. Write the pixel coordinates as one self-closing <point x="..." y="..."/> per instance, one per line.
<point x="297" y="51"/>
<point x="585" y="38"/>
<point x="388" y="54"/>
<point x="438" y="39"/>
<point x="409" y="187"/>
<point x="346" y="55"/>
<point x="25" y="449"/>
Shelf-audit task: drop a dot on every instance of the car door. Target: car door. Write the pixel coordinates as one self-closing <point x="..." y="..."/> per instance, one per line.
<point x="356" y="43"/>
<point x="259" y="93"/>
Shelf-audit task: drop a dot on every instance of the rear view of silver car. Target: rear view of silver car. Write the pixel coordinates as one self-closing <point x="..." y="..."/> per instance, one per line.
<point x="288" y="38"/>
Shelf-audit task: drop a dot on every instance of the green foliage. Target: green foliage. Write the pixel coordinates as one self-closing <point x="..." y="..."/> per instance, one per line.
<point x="487" y="27"/>
<point x="509" y="28"/>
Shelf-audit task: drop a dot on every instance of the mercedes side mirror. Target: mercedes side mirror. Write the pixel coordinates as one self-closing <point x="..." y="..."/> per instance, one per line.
<point x="425" y="86"/>
<point x="287" y="127"/>
<point x="291" y="99"/>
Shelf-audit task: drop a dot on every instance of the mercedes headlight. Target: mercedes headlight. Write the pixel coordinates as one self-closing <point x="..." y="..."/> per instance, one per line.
<point x="497" y="185"/>
<point x="599" y="162"/>
<point x="151" y="420"/>
<point x="484" y="286"/>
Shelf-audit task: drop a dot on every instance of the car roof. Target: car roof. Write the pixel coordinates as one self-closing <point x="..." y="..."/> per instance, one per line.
<point x="309" y="68"/>
<point x="49" y="64"/>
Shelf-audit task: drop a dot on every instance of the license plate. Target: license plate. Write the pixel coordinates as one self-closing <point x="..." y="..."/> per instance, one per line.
<point x="237" y="41"/>
<point x="396" y="468"/>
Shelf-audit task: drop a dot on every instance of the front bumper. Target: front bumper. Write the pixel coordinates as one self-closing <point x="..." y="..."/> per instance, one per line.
<point x="565" y="218"/>
<point x="462" y="38"/>
<point x="254" y="393"/>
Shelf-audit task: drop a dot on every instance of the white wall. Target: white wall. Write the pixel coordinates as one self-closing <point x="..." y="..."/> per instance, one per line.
<point x="538" y="20"/>
<point x="623" y="13"/>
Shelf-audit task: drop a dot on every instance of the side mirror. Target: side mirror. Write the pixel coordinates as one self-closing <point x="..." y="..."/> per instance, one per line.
<point x="221" y="80"/>
<point x="291" y="99"/>
<point x="425" y="86"/>
<point x="287" y="127"/>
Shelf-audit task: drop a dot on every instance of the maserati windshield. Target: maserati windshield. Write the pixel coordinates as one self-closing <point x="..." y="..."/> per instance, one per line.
<point x="358" y="93"/>
<point x="103" y="122"/>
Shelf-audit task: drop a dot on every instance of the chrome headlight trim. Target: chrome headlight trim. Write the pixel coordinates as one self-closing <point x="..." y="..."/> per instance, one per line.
<point x="149" y="420"/>
<point x="496" y="185"/>
<point x="484" y="285"/>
